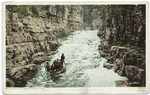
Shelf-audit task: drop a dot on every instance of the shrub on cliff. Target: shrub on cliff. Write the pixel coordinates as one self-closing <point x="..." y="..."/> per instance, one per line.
<point x="106" y="10"/>
<point x="24" y="10"/>
<point x="60" y="8"/>
<point x="45" y="7"/>
<point x="34" y="10"/>
<point x="20" y="9"/>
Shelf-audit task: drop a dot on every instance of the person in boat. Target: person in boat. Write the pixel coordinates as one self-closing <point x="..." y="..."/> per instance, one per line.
<point x="56" y="65"/>
<point x="48" y="67"/>
<point x="53" y="65"/>
<point x="62" y="58"/>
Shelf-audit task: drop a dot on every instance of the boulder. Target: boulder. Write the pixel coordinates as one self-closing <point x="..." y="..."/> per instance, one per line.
<point x="106" y="55"/>
<point x="108" y="36"/>
<point x="121" y="83"/>
<point x="43" y="14"/>
<point x="131" y="72"/>
<point x="139" y="61"/>
<point x="113" y="50"/>
<point x="48" y="25"/>
<point x="108" y="65"/>
<point x="122" y="49"/>
<point x="9" y="83"/>
<point x="134" y="84"/>
<point x="47" y="47"/>
<point x="116" y="68"/>
<point x="19" y="75"/>
<point x="39" y="58"/>
<point x="52" y="52"/>
<point x="121" y="72"/>
<point x="141" y="74"/>
<point x="110" y="60"/>
<point x="127" y="61"/>
<point x="100" y="33"/>
<point x="53" y="45"/>
<point x="25" y="22"/>
<point x="119" y="67"/>
<point x="119" y="61"/>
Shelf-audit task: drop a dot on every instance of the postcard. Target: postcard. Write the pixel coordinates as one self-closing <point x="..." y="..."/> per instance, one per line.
<point x="75" y="47"/>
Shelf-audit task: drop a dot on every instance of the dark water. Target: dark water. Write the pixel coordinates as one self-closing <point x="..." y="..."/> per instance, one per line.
<point x="84" y="65"/>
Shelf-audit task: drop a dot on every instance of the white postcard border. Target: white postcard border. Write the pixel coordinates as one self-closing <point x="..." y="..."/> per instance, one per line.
<point x="67" y="90"/>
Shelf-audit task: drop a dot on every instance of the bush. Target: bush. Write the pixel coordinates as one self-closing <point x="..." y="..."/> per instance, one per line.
<point x="45" y="7"/>
<point x="34" y="11"/>
<point x="20" y="9"/>
<point x="60" y="8"/>
<point x="23" y="10"/>
<point x="106" y="10"/>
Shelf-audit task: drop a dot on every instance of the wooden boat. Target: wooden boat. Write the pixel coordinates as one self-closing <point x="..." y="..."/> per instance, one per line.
<point x="55" y="73"/>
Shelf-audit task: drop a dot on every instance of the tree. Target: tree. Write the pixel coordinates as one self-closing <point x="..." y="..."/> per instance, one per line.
<point x="20" y="9"/>
<point x="34" y="11"/>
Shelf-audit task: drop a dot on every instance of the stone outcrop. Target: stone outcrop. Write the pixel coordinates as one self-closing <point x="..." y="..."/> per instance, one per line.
<point x="9" y="82"/>
<point x="108" y="65"/>
<point x="29" y="39"/>
<point x="123" y="43"/>
<point x="127" y="61"/>
<point x="39" y="57"/>
<point x="19" y="75"/>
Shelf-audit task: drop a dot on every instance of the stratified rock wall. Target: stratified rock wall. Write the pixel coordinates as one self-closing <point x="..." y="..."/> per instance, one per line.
<point x="35" y="36"/>
<point x="123" y="43"/>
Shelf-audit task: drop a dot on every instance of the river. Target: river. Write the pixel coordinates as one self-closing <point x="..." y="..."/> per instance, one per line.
<point x="84" y="65"/>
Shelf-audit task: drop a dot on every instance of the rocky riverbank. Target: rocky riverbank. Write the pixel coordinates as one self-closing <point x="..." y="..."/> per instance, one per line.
<point x="123" y="44"/>
<point x="30" y="39"/>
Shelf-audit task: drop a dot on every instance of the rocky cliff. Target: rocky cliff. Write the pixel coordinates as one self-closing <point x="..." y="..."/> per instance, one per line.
<point x="123" y="35"/>
<point x="30" y="39"/>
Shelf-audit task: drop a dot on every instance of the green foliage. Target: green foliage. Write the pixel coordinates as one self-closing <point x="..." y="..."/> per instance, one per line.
<point x="60" y="8"/>
<point x="24" y="10"/>
<point x="20" y="9"/>
<point x="34" y="11"/>
<point x="106" y="10"/>
<point x="45" y="7"/>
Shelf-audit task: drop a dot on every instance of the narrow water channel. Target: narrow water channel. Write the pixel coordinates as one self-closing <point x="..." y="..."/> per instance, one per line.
<point x="84" y="65"/>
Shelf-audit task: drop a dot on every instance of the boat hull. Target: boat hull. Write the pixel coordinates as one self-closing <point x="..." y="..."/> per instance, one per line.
<point x="55" y="73"/>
